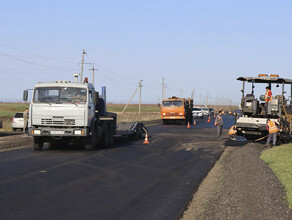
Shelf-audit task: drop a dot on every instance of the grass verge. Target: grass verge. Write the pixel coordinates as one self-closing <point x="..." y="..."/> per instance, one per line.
<point x="280" y="161"/>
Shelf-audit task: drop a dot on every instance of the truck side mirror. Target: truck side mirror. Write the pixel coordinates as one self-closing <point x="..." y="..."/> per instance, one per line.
<point x="25" y="95"/>
<point x="95" y="98"/>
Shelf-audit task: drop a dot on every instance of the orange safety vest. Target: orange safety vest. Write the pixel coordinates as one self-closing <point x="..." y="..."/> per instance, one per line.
<point x="272" y="127"/>
<point x="232" y="130"/>
<point x="268" y="97"/>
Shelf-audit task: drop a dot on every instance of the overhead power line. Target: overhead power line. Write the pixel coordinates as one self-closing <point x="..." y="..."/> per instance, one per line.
<point x="38" y="56"/>
<point x="32" y="63"/>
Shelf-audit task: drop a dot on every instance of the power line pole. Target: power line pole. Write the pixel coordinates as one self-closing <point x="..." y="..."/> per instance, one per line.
<point x="82" y="62"/>
<point x="193" y="94"/>
<point x="162" y="88"/>
<point x="181" y="92"/>
<point x="200" y="99"/>
<point x="206" y="100"/>
<point x="92" y="73"/>
<point x="140" y="86"/>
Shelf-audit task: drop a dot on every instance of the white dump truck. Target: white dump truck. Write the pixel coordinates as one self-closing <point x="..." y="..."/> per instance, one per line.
<point x="64" y="112"/>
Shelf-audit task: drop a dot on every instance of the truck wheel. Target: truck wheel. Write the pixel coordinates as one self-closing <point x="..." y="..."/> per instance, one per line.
<point x="106" y="137"/>
<point x="111" y="138"/>
<point x="37" y="143"/>
<point x="51" y="145"/>
<point x="91" y="142"/>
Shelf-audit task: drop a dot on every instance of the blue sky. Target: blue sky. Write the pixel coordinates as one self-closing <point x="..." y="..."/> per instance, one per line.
<point x="201" y="45"/>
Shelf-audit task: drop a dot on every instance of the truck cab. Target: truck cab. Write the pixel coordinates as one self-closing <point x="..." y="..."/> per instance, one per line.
<point x="176" y="109"/>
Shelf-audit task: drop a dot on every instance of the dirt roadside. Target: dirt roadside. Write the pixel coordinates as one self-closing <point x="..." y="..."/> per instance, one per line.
<point x="11" y="141"/>
<point x="240" y="186"/>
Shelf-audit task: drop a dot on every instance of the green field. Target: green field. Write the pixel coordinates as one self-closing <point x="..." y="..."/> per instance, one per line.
<point x="133" y="108"/>
<point x="280" y="161"/>
<point x="7" y="110"/>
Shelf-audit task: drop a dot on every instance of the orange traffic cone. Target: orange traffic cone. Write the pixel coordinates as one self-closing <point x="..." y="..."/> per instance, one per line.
<point x="188" y="125"/>
<point x="195" y="122"/>
<point x="146" y="139"/>
<point x="209" y="119"/>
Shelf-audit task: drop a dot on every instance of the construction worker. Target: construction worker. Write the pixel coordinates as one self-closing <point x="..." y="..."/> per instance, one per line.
<point x="25" y="120"/>
<point x="268" y="98"/>
<point x="232" y="132"/>
<point x="268" y="95"/>
<point x="219" y="124"/>
<point x="272" y="127"/>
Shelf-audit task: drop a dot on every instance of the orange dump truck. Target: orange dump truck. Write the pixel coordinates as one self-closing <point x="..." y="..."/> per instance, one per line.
<point x="176" y="110"/>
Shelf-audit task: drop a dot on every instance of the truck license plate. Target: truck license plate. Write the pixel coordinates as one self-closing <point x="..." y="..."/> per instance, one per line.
<point x="57" y="132"/>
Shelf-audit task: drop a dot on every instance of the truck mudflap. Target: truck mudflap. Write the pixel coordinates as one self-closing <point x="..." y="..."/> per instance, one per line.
<point x="60" y="132"/>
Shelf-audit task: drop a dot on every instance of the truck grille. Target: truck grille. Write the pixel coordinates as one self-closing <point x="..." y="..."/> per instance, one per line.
<point x="48" y="121"/>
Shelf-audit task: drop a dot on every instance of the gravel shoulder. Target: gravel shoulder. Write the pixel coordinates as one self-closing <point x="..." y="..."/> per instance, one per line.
<point x="11" y="141"/>
<point x="240" y="186"/>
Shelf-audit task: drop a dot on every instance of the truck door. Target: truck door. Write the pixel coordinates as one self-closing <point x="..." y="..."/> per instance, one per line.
<point x="91" y="109"/>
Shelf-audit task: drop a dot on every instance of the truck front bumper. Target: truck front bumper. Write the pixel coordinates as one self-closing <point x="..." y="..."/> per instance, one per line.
<point x="173" y="117"/>
<point x="46" y="131"/>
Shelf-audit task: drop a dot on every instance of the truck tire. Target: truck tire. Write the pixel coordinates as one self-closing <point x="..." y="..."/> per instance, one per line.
<point x="106" y="137"/>
<point x="91" y="142"/>
<point x="111" y="138"/>
<point x="37" y="143"/>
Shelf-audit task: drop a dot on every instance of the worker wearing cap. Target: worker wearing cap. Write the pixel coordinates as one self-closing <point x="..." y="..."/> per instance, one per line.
<point x="219" y="124"/>
<point x="272" y="127"/>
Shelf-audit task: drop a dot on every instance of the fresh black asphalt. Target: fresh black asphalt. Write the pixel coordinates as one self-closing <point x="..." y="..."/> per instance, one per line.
<point x="131" y="180"/>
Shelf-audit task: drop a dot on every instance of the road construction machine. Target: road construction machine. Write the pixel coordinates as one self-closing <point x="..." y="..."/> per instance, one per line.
<point x="176" y="110"/>
<point x="256" y="111"/>
<point x="65" y="112"/>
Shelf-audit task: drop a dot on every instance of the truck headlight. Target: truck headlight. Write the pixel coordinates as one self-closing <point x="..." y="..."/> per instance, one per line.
<point x="77" y="132"/>
<point x="37" y="131"/>
<point x="181" y="113"/>
<point x="163" y="114"/>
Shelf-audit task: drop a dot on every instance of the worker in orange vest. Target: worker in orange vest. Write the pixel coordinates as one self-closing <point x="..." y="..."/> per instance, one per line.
<point x="268" y="98"/>
<point x="268" y="95"/>
<point x="272" y="127"/>
<point x="232" y="132"/>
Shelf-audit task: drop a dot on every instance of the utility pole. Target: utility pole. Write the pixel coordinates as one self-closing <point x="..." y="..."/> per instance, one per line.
<point x="200" y="99"/>
<point x="193" y="94"/>
<point x="162" y="89"/>
<point x="140" y="86"/>
<point x="206" y="100"/>
<point x="181" y="92"/>
<point x="93" y="73"/>
<point x="82" y="62"/>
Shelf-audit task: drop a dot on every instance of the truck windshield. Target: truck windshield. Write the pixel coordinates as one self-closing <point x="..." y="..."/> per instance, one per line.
<point x="60" y="95"/>
<point x="172" y="103"/>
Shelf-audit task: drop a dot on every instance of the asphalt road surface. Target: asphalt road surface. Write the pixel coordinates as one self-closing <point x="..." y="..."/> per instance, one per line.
<point x="128" y="181"/>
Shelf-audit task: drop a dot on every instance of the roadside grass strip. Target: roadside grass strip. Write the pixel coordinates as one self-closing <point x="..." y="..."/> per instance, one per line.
<point x="280" y="161"/>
